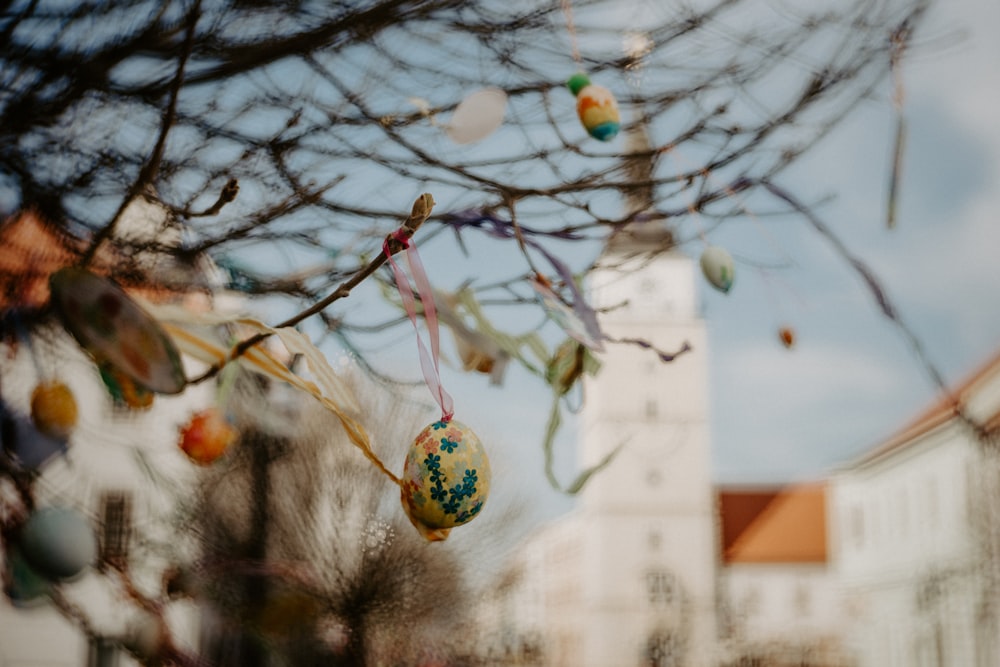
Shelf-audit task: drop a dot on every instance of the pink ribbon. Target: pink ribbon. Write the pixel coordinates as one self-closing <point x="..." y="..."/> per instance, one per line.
<point x="429" y="362"/>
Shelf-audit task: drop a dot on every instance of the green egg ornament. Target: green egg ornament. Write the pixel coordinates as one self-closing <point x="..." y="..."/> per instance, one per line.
<point x="58" y="542"/>
<point x="446" y="478"/>
<point x="596" y="107"/>
<point x="23" y="585"/>
<point x="717" y="265"/>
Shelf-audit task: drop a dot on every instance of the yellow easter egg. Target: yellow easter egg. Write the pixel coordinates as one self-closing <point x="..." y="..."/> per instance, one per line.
<point x="54" y="410"/>
<point x="446" y="478"/>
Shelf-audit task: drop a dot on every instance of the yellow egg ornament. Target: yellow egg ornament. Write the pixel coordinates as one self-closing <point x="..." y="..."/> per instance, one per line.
<point x="446" y="478"/>
<point x="596" y="106"/>
<point x="53" y="409"/>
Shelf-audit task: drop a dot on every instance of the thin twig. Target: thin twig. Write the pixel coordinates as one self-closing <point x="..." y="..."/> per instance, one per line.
<point x="394" y="242"/>
<point x="150" y="170"/>
<point x="228" y="194"/>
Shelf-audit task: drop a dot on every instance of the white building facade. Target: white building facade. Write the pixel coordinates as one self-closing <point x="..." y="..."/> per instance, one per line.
<point x="122" y="470"/>
<point x="628" y="578"/>
<point x="648" y="520"/>
<point x="915" y="537"/>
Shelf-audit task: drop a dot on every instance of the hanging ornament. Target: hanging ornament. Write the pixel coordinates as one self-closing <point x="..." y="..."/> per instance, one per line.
<point x="207" y="436"/>
<point x="288" y="609"/>
<point x="123" y="389"/>
<point x="446" y="477"/>
<point x="473" y="355"/>
<point x="112" y="327"/>
<point x="145" y="637"/>
<point x="21" y="440"/>
<point x="58" y="542"/>
<point x="596" y="107"/>
<point x="23" y="585"/>
<point x="578" y="321"/>
<point x="478" y="116"/>
<point x="53" y="409"/>
<point x="717" y="265"/>
<point x="787" y="336"/>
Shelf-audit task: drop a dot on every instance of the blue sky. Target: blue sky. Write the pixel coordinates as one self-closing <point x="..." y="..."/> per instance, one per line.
<point x="852" y="378"/>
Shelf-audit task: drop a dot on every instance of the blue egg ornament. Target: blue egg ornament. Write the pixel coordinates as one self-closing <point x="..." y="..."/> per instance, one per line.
<point x="58" y="542"/>
<point x="446" y="478"/>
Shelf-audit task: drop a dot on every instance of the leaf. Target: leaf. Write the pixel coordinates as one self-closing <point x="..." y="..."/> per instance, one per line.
<point x="332" y="392"/>
<point x="555" y="421"/>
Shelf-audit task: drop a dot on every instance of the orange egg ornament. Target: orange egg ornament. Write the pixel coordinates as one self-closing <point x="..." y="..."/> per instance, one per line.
<point x="787" y="336"/>
<point x="53" y="409"/>
<point x="207" y="436"/>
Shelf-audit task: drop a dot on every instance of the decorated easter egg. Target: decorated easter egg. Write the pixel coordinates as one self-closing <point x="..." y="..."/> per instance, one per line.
<point x="113" y="328"/>
<point x="717" y="265"/>
<point x="473" y="357"/>
<point x="145" y="636"/>
<point x="53" y="409"/>
<point x="596" y="107"/>
<point x="124" y="390"/>
<point x="288" y="609"/>
<point x="24" y="442"/>
<point x="478" y="116"/>
<point x="23" y="585"/>
<point x="206" y="436"/>
<point x="446" y="477"/>
<point x="787" y="336"/>
<point x="58" y="542"/>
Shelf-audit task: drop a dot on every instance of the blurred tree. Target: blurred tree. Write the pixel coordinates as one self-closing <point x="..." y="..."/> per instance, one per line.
<point x="287" y="139"/>
<point x="332" y="117"/>
<point x="320" y="566"/>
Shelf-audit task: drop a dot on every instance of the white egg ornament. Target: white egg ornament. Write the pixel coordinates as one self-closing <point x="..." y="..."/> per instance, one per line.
<point x="717" y="265"/>
<point x="446" y="478"/>
<point x="145" y="637"/>
<point x="478" y="116"/>
<point x="58" y="542"/>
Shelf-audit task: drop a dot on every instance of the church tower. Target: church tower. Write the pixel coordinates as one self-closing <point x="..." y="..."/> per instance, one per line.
<point x="648" y="519"/>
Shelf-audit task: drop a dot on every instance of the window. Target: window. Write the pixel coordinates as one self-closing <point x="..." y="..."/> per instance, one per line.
<point x="659" y="588"/>
<point x="116" y="528"/>
<point x="857" y="524"/>
<point x="654" y="539"/>
<point x="802" y="600"/>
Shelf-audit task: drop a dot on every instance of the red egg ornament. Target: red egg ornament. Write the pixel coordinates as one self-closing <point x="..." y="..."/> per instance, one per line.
<point x="53" y="409"/>
<point x="207" y="436"/>
<point x="787" y="336"/>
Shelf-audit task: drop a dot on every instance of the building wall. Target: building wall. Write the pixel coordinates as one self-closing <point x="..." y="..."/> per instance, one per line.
<point x="908" y="553"/>
<point x="110" y="450"/>
<point x="648" y="519"/>
<point x="781" y="604"/>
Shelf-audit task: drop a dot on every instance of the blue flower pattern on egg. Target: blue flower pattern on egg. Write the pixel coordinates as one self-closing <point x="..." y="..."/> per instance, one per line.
<point x="446" y="477"/>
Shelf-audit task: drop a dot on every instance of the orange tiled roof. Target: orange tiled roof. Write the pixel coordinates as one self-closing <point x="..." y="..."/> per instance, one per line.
<point x="32" y="249"/>
<point x="940" y="412"/>
<point x="786" y="525"/>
